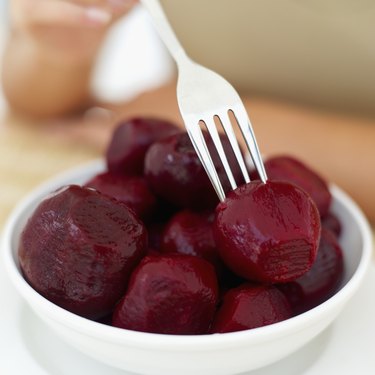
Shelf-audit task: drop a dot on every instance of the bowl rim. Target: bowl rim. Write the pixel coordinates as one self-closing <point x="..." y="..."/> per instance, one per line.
<point x="173" y="342"/>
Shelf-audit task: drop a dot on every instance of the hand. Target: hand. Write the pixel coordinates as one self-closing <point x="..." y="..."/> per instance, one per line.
<point x="67" y="29"/>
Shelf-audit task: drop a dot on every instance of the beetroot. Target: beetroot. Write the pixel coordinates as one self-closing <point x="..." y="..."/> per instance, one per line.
<point x="79" y="248"/>
<point x="268" y="232"/>
<point x="142" y="247"/>
<point x="191" y="233"/>
<point x="287" y="168"/>
<point x="176" y="174"/>
<point x="323" y="279"/>
<point x="172" y="293"/>
<point x="130" y="141"/>
<point x="131" y="190"/>
<point x="251" y="306"/>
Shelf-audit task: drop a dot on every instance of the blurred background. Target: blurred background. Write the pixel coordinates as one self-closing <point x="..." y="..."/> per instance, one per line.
<point x="312" y="52"/>
<point x="3" y="32"/>
<point x="315" y="52"/>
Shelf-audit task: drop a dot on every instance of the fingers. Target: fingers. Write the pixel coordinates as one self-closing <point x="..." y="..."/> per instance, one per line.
<point x="60" y="13"/>
<point x="68" y="29"/>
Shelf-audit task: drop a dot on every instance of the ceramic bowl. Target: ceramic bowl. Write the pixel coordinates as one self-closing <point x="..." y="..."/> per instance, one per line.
<point x="216" y="354"/>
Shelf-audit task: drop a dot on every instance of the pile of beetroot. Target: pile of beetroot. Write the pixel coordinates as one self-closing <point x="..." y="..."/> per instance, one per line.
<point x="147" y="246"/>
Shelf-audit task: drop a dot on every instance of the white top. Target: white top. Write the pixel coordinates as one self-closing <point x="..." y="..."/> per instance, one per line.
<point x="133" y="59"/>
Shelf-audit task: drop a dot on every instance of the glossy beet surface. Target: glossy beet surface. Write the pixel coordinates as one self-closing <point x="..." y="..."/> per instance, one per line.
<point x="191" y="233"/>
<point x="250" y="306"/>
<point x="174" y="294"/>
<point x="131" y="190"/>
<point x="130" y="141"/>
<point x="175" y="173"/>
<point x="289" y="169"/>
<point x="79" y="248"/>
<point x="268" y="232"/>
<point x="318" y="284"/>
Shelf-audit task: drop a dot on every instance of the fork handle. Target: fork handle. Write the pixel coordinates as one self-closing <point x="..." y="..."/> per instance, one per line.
<point x="164" y="29"/>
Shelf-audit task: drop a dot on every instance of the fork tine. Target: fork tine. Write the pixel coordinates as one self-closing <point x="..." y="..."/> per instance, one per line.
<point x="248" y="134"/>
<point x="212" y="130"/>
<point x="199" y="143"/>
<point x="228" y="128"/>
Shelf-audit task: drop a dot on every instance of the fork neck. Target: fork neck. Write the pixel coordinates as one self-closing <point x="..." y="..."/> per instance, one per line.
<point x="165" y="30"/>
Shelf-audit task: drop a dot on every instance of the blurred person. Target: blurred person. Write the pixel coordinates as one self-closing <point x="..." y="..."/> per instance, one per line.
<point x="54" y="43"/>
<point x="51" y="52"/>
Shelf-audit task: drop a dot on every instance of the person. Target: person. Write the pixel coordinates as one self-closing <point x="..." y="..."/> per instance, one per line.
<point x="60" y="39"/>
<point x="51" y="52"/>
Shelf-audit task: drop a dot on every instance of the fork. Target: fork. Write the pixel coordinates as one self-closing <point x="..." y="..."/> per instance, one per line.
<point x="204" y="96"/>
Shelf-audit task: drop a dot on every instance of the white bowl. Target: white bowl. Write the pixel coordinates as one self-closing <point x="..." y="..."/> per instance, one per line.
<point x="216" y="354"/>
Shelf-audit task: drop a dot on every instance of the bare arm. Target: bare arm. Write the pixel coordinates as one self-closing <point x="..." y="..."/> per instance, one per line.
<point x="51" y="51"/>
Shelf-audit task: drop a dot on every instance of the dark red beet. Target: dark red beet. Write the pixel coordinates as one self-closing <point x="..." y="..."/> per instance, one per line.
<point x="155" y="234"/>
<point x="172" y="294"/>
<point x="321" y="282"/>
<point x="268" y="232"/>
<point x="155" y="228"/>
<point x="287" y="168"/>
<point x="152" y="252"/>
<point x="332" y="223"/>
<point x="131" y="190"/>
<point x="130" y="141"/>
<point x="175" y="173"/>
<point x="228" y="280"/>
<point x="79" y="248"/>
<point x="250" y="306"/>
<point x="164" y="211"/>
<point x="106" y="320"/>
<point x="191" y="233"/>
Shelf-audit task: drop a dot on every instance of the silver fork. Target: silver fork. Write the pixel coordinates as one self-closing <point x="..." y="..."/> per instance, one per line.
<point x="202" y="96"/>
